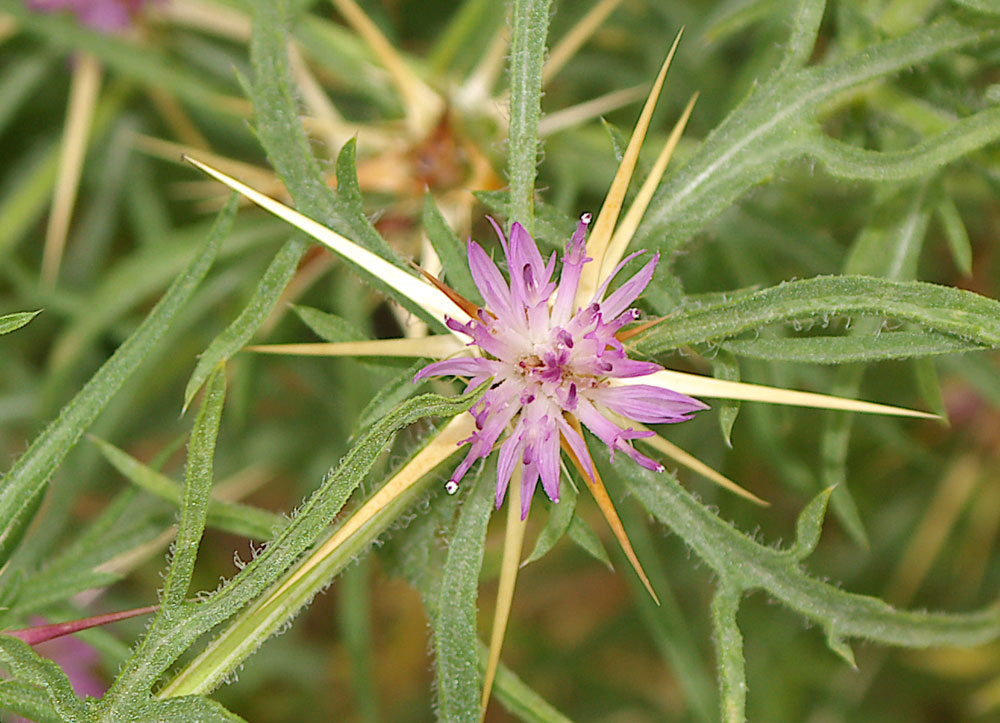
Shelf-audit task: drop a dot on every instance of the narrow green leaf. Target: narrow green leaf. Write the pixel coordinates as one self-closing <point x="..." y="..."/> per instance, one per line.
<point x="28" y="702"/>
<point x="852" y="348"/>
<point x="248" y="631"/>
<point x="729" y="652"/>
<point x="971" y="317"/>
<point x="329" y="327"/>
<point x="189" y="709"/>
<point x="964" y="136"/>
<point x="12" y="322"/>
<point x="348" y="188"/>
<point x="774" y="125"/>
<point x="529" y="27"/>
<point x="161" y="645"/>
<point x="552" y="226"/>
<point x="25" y="665"/>
<point x="746" y="565"/>
<point x="557" y="524"/>
<point x="455" y="655"/>
<point x="454" y="258"/>
<point x="834" y="448"/>
<point x="355" y="622"/>
<point x="463" y="29"/>
<point x="954" y="232"/>
<point x="232" y="517"/>
<point x="410" y="554"/>
<point x="809" y="526"/>
<point x="24" y="204"/>
<point x="280" y="271"/>
<point x="841" y="647"/>
<point x="583" y="535"/>
<point x="668" y="625"/>
<point x="802" y="40"/>
<point x="391" y="394"/>
<point x="888" y="246"/>
<point x="929" y="385"/>
<point x="198" y="480"/>
<point x="725" y="366"/>
<point x="129" y="283"/>
<point x="29" y="475"/>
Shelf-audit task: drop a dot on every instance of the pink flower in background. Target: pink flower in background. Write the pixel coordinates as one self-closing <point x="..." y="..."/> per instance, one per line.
<point x="552" y="363"/>
<point x="107" y="16"/>
<point x="78" y="660"/>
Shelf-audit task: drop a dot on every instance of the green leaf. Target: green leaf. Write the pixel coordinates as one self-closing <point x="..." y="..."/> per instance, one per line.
<point x="348" y="188"/>
<point x="846" y="349"/>
<point x="529" y="26"/>
<point x="248" y="631"/>
<point x="329" y="327"/>
<point x="725" y="366"/>
<point x="969" y="316"/>
<point x="453" y="255"/>
<point x="28" y="702"/>
<point x="25" y="665"/>
<point x="954" y="232"/>
<point x="153" y="655"/>
<point x="889" y="246"/>
<point x="13" y="322"/>
<point x="746" y="565"/>
<point x="392" y="393"/>
<point x="130" y="282"/>
<point x="802" y="40"/>
<point x="809" y="526"/>
<point x="189" y="709"/>
<point x="668" y="625"/>
<point x="842" y="648"/>
<point x="860" y="164"/>
<point x="29" y="475"/>
<point x="355" y="624"/>
<point x="834" y="449"/>
<point x="198" y="479"/>
<point x="929" y="385"/>
<point x="729" y="651"/>
<point x="583" y="535"/>
<point x="455" y="655"/>
<point x="775" y="125"/>
<point x="280" y="271"/>
<point x="557" y="524"/>
<point x="232" y="517"/>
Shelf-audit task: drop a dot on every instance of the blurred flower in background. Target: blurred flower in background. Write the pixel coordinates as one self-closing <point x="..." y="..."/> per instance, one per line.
<point x="107" y="16"/>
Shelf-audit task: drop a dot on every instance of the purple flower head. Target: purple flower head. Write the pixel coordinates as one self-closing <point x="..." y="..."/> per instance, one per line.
<point x="106" y="16"/>
<point x="552" y="364"/>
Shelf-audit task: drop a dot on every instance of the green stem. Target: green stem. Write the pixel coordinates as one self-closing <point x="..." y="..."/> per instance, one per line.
<point x="530" y="20"/>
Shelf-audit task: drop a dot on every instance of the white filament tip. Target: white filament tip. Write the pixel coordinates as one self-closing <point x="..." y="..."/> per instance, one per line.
<point x="451" y="487"/>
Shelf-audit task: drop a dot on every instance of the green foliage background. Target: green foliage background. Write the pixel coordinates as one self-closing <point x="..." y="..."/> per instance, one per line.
<point x="829" y="223"/>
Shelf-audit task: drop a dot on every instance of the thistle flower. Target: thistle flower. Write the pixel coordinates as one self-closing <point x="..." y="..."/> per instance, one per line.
<point x="552" y="364"/>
